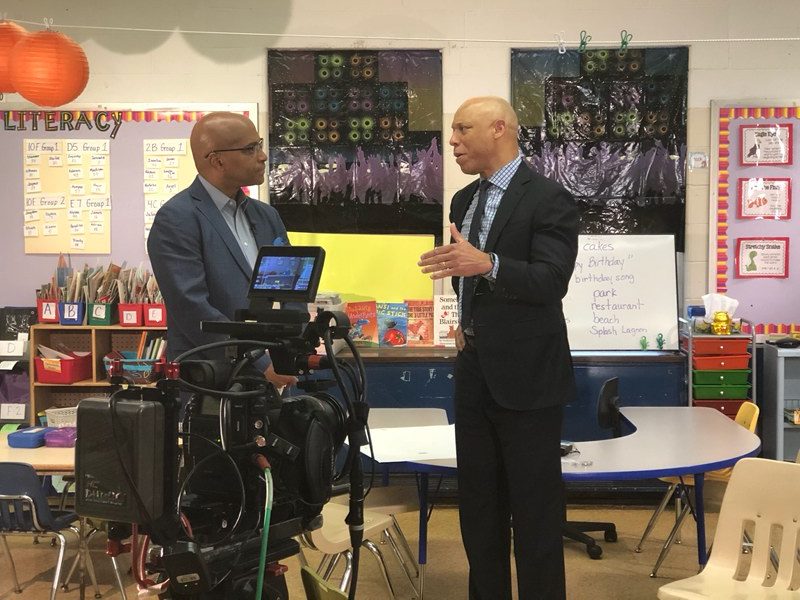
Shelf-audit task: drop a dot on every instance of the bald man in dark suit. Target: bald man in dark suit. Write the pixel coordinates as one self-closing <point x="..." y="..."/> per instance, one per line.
<point x="514" y="243"/>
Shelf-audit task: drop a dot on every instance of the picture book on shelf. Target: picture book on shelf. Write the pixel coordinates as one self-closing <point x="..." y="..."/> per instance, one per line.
<point x="445" y="314"/>
<point x="363" y="322"/>
<point x="420" y="322"/>
<point x="392" y="323"/>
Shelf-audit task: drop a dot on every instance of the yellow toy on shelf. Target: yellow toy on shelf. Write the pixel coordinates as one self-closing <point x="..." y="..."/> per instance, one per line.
<point x="721" y="325"/>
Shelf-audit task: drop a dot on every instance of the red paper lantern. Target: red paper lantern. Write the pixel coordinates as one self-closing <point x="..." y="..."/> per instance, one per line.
<point x="48" y="68"/>
<point x="10" y="34"/>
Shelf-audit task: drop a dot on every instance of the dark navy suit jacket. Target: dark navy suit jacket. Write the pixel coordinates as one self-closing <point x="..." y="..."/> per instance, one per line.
<point x="199" y="266"/>
<point x="518" y="323"/>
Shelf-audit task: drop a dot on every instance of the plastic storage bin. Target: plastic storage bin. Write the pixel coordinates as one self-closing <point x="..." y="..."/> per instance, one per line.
<point x="724" y="362"/>
<point x="101" y="313"/>
<point x="62" y="417"/>
<point x="155" y="315"/>
<point x="728" y="408"/>
<point x="723" y="377"/>
<point x="130" y="315"/>
<point x="63" y="437"/>
<point x="719" y="345"/>
<point x="718" y="392"/>
<point x="138" y="370"/>
<point x="62" y="370"/>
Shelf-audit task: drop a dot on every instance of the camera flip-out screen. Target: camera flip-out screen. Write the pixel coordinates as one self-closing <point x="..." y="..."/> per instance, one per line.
<point x="287" y="273"/>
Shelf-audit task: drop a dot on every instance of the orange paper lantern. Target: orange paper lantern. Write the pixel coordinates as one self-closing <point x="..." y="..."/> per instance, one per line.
<point x="48" y="68"/>
<point x="10" y="34"/>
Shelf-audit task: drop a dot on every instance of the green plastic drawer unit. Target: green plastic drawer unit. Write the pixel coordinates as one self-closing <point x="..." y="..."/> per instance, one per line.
<point x="724" y="362"/>
<point x="720" y="392"/>
<point x="729" y="377"/>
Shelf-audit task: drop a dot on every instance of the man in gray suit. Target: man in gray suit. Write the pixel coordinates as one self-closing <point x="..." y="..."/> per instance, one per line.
<point x="204" y="241"/>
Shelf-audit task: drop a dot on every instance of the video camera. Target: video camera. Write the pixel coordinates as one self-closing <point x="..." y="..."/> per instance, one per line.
<point x="212" y="465"/>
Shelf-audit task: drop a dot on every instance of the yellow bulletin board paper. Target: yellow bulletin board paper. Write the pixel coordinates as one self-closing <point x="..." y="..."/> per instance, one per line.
<point x="383" y="267"/>
<point x="168" y="168"/>
<point x="67" y="196"/>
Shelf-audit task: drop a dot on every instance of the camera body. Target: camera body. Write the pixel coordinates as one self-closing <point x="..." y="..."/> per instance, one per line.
<point x="194" y="471"/>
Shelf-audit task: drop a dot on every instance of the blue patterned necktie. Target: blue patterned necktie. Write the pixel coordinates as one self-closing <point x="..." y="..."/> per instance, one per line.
<point x="468" y="287"/>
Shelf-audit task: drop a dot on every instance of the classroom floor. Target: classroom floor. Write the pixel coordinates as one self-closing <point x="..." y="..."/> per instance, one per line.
<point x="621" y="574"/>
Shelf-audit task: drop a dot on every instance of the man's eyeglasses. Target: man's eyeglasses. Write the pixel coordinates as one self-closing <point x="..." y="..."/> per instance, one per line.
<point x="249" y="150"/>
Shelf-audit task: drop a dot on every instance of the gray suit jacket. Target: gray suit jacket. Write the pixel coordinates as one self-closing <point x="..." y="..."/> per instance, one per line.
<point x="199" y="266"/>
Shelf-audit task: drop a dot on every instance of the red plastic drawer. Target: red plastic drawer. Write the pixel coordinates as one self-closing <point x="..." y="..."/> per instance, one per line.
<point x="724" y="362"/>
<point x="726" y="407"/>
<point x="720" y="345"/>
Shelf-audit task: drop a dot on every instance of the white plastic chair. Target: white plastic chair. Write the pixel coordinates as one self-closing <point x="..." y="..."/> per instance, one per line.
<point x="747" y="417"/>
<point x="333" y="541"/>
<point x="761" y="497"/>
<point x="385" y="502"/>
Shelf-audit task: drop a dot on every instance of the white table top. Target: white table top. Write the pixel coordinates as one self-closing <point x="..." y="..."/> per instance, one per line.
<point x="46" y="461"/>
<point x="667" y="441"/>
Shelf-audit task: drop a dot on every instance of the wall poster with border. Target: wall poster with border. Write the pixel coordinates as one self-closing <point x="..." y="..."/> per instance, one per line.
<point x="764" y="198"/>
<point x="762" y="257"/>
<point x="765" y="144"/>
<point x="750" y="205"/>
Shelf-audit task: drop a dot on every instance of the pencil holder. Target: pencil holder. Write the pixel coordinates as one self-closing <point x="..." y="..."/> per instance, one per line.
<point x="46" y="311"/>
<point x="102" y="313"/>
<point x="71" y="313"/>
<point x="155" y="315"/>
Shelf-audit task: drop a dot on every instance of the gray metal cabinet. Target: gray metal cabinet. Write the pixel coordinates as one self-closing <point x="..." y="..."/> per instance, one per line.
<point x="780" y="437"/>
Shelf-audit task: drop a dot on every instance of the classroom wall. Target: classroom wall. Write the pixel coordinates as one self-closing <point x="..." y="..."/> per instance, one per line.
<point x="171" y="66"/>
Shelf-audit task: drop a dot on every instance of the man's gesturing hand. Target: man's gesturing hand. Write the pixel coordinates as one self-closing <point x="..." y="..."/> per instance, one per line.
<point x="460" y="258"/>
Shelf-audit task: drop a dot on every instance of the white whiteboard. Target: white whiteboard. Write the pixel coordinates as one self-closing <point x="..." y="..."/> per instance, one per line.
<point x="623" y="289"/>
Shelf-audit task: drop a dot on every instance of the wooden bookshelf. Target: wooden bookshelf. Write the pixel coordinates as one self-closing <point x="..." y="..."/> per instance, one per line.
<point x="97" y="339"/>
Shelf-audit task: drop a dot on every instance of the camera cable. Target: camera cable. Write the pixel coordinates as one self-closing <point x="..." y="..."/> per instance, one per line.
<point x="262" y="463"/>
<point x="240" y="481"/>
<point x="223" y="344"/>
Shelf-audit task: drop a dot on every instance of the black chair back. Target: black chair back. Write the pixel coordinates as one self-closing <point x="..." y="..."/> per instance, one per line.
<point x="608" y="406"/>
